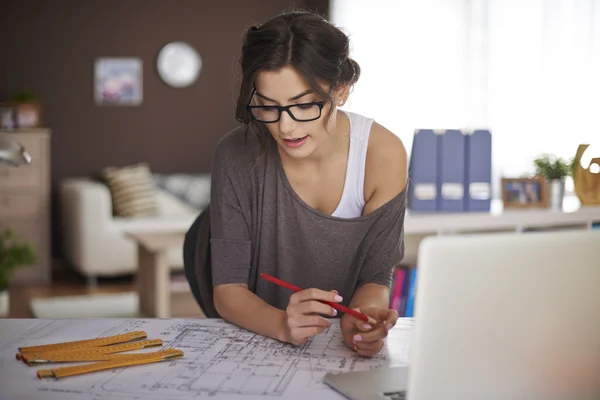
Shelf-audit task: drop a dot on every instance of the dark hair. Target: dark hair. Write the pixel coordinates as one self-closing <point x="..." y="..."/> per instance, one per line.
<point x="317" y="49"/>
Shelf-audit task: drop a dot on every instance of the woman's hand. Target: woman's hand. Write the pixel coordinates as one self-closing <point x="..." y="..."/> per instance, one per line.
<point x="304" y="312"/>
<point x="365" y="339"/>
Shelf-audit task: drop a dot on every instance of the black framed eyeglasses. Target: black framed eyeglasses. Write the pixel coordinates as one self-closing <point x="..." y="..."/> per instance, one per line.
<point x="303" y="112"/>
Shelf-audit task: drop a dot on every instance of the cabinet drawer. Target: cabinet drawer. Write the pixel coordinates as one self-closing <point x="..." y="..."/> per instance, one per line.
<point x="26" y="176"/>
<point x="33" y="143"/>
<point x="19" y="205"/>
<point x="23" y="177"/>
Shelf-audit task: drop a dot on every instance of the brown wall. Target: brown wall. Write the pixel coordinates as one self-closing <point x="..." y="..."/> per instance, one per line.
<point x="50" y="47"/>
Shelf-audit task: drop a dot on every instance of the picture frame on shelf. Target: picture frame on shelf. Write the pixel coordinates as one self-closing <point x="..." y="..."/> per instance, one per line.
<point x="7" y="117"/>
<point x="20" y="115"/>
<point x="524" y="193"/>
<point x="28" y="115"/>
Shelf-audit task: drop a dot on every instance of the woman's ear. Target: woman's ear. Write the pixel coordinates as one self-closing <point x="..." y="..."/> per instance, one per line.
<point x="341" y="95"/>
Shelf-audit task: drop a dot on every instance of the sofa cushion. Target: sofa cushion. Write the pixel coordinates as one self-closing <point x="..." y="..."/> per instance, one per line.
<point x="172" y="206"/>
<point x="194" y="189"/>
<point x="132" y="190"/>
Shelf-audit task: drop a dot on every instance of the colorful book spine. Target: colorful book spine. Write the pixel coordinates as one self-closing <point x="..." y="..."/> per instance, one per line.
<point x="410" y="302"/>
<point x="404" y="296"/>
<point x="396" y="292"/>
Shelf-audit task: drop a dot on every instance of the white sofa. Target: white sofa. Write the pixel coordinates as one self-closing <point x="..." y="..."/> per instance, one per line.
<point x="94" y="240"/>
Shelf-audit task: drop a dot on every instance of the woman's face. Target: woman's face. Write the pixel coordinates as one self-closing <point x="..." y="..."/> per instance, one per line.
<point x="285" y="87"/>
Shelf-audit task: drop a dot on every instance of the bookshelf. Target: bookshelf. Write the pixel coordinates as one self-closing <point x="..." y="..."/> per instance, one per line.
<point x="418" y="226"/>
<point x="572" y="216"/>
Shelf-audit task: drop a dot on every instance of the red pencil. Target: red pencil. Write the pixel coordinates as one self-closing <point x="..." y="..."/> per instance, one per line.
<point x="337" y="306"/>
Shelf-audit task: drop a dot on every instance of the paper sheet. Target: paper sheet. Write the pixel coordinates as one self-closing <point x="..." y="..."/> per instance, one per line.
<point x="220" y="361"/>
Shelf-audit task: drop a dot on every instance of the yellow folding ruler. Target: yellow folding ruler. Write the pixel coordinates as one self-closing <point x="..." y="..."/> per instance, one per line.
<point x="98" y="342"/>
<point x="122" y="360"/>
<point x="87" y="353"/>
<point x="101" y="350"/>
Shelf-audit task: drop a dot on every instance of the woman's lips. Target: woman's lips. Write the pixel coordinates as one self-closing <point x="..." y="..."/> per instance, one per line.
<point x="295" y="142"/>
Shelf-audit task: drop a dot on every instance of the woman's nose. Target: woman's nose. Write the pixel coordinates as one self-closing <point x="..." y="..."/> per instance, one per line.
<point x="286" y="123"/>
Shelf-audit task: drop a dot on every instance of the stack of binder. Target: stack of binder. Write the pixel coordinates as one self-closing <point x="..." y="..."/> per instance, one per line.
<point x="450" y="171"/>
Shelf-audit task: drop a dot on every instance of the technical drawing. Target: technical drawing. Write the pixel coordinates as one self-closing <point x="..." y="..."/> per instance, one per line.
<point x="221" y="358"/>
<point x="222" y="361"/>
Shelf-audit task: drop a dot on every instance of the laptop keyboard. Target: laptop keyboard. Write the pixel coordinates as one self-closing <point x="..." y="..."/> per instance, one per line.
<point x="399" y="395"/>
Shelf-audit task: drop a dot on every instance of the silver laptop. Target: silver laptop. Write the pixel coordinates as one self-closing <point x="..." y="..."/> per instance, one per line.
<point x="498" y="316"/>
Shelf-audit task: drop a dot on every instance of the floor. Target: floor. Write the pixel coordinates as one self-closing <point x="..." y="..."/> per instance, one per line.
<point x="66" y="282"/>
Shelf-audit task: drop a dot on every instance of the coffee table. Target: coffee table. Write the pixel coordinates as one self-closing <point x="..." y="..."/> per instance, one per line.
<point x="153" y="279"/>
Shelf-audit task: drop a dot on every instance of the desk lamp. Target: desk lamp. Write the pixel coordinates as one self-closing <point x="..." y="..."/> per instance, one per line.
<point x="12" y="152"/>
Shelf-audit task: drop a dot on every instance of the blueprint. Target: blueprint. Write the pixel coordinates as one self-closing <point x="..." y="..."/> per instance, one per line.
<point x="221" y="361"/>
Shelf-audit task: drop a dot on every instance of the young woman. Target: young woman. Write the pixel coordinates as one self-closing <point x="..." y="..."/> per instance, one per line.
<point x="302" y="191"/>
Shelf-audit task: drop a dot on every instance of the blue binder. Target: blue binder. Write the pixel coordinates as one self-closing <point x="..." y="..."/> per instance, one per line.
<point x="478" y="191"/>
<point x="422" y="172"/>
<point x="451" y="171"/>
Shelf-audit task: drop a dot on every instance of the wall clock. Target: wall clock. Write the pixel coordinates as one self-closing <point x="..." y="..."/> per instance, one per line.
<point x="178" y="64"/>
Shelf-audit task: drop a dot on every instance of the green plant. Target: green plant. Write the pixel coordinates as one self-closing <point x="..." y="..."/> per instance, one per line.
<point x="24" y="97"/>
<point x="552" y="167"/>
<point x="13" y="254"/>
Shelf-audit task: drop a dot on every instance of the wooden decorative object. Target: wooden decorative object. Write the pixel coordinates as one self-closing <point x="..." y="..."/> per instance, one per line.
<point x="523" y="193"/>
<point x="587" y="178"/>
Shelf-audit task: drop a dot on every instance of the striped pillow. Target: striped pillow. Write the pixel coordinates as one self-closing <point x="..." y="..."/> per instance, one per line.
<point x="132" y="190"/>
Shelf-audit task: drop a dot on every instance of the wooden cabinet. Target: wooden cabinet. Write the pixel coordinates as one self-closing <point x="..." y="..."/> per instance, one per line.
<point x="25" y="202"/>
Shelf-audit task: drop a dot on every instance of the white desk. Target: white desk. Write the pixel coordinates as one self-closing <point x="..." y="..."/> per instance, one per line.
<point x="220" y="360"/>
<point x="418" y="226"/>
<point x="572" y="216"/>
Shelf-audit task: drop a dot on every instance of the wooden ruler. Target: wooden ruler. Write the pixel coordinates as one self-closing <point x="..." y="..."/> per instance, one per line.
<point x="87" y="353"/>
<point x="98" y="342"/>
<point x="122" y="360"/>
<point x="101" y="350"/>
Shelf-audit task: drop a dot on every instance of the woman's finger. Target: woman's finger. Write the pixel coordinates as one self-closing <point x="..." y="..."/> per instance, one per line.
<point x="315" y="307"/>
<point x="370" y="346"/>
<point x="315" y="294"/>
<point x="377" y="333"/>
<point x="391" y="318"/>
<point x="384" y="316"/>
<point x="301" y="321"/>
<point x="369" y="349"/>
<point x="364" y="327"/>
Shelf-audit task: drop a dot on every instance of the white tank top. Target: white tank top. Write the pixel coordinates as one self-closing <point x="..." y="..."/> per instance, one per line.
<point x="352" y="202"/>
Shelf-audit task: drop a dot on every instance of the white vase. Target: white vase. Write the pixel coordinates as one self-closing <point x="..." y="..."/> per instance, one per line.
<point x="4" y="305"/>
<point x="556" y="193"/>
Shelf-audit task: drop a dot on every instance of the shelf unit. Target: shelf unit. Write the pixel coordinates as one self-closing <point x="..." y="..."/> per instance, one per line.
<point x="419" y="226"/>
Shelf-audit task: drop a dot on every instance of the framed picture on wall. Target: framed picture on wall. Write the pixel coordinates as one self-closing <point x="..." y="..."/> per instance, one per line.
<point x="118" y="81"/>
<point x="524" y="193"/>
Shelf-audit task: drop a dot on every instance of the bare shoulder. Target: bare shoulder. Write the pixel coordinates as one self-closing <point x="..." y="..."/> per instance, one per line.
<point x="386" y="171"/>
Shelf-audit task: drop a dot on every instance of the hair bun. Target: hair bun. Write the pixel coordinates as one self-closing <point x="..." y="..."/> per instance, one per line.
<point x="350" y="71"/>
